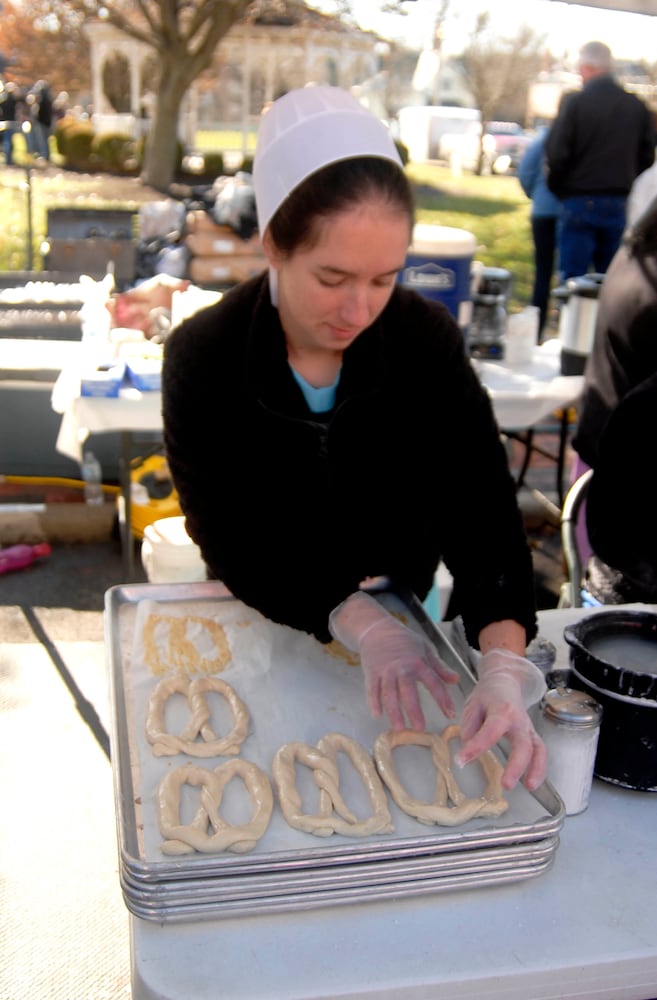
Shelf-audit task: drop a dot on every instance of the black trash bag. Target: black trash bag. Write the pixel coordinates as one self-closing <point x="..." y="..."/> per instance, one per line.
<point x="234" y="204"/>
<point x="229" y="201"/>
<point x="149" y="255"/>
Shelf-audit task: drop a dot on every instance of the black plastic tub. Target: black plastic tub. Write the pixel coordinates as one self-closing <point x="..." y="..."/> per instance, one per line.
<point x="613" y="657"/>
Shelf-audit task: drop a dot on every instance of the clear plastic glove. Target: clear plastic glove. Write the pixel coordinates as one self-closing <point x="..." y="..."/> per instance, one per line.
<point x="394" y="661"/>
<point x="496" y="708"/>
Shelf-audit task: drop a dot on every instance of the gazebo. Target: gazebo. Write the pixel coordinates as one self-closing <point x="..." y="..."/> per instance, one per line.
<point x="286" y="47"/>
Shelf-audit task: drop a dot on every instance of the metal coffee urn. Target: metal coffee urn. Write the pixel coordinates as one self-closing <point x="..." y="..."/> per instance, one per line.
<point x="578" y="313"/>
<point x="489" y="313"/>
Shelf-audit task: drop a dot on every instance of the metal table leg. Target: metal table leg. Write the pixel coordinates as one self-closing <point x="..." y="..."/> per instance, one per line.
<point x="131" y="441"/>
<point x="526" y="438"/>
<point x="125" y="521"/>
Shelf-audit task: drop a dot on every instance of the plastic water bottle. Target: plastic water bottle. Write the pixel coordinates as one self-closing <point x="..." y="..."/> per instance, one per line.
<point x="93" y="479"/>
<point x="20" y="556"/>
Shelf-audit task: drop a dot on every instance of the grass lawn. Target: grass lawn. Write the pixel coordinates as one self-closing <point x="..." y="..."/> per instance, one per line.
<point x="494" y="209"/>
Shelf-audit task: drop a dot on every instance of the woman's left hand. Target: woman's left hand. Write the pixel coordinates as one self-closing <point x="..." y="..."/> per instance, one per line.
<point x="496" y="708"/>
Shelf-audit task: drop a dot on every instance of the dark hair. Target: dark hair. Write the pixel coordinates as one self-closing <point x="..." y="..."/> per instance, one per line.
<point x="336" y="188"/>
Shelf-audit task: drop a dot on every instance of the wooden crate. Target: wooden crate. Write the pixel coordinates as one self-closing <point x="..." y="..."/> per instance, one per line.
<point x="219" y="241"/>
<point x="92" y="257"/>
<point x="225" y="269"/>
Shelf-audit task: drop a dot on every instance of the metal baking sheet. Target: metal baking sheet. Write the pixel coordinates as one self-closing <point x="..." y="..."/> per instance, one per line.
<point x="340" y="896"/>
<point x="296" y="689"/>
<point x="282" y="882"/>
<point x="231" y="887"/>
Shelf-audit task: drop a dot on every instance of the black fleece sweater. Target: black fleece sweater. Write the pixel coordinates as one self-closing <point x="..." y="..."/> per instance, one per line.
<point x="292" y="512"/>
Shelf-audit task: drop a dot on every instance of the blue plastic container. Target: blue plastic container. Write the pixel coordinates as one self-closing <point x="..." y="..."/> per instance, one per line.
<point x="439" y="265"/>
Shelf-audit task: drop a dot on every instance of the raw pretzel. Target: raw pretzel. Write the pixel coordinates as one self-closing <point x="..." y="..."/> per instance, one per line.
<point x="183" y="839"/>
<point x="323" y="761"/>
<point x="340" y="652"/>
<point x="210" y="745"/>
<point x="181" y="653"/>
<point x="440" y="811"/>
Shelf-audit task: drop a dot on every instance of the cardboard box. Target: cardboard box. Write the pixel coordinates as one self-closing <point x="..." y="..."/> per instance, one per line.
<point x="103" y="381"/>
<point x="58" y="522"/>
<point x="225" y="270"/>
<point x="92" y="257"/>
<point x="145" y="373"/>
<point x="199" y="221"/>
<point x="221" y="240"/>
<point x="91" y="223"/>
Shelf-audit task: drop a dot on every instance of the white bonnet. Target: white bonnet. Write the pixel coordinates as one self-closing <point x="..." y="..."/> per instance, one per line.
<point x="306" y="130"/>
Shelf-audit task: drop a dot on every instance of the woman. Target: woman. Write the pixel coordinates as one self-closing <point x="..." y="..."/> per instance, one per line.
<point x="324" y="426"/>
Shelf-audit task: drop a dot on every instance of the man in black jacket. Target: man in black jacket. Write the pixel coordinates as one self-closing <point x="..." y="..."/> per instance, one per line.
<point x="602" y="139"/>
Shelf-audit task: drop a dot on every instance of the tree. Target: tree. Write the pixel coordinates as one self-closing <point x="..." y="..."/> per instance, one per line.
<point x="498" y="70"/>
<point x="343" y="8"/>
<point x="183" y="34"/>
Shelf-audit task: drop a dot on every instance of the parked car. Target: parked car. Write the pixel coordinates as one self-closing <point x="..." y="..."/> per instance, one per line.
<point x="503" y="145"/>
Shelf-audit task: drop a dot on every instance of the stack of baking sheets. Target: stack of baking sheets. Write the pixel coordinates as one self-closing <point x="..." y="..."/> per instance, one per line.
<point x="296" y="690"/>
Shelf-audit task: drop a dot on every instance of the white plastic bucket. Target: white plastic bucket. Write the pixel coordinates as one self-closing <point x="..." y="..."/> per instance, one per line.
<point x="439" y="265"/>
<point x="169" y="555"/>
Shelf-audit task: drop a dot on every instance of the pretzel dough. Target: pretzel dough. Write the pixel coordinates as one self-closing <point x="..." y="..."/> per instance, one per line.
<point x="168" y="644"/>
<point x="323" y="761"/>
<point x="440" y="811"/>
<point x="340" y="652"/>
<point x="210" y="745"/>
<point x="207" y="832"/>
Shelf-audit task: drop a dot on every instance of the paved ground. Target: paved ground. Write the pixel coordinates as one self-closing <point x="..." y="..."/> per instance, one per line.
<point x="64" y="929"/>
<point x="68" y="588"/>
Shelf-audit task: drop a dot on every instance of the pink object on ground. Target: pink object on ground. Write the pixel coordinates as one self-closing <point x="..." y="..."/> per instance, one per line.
<point x="20" y="556"/>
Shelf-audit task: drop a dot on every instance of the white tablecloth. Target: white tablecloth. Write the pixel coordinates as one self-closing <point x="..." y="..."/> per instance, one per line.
<point x="524" y="395"/>
<point x="131" y="410"/>
<point x="521" y="397"/>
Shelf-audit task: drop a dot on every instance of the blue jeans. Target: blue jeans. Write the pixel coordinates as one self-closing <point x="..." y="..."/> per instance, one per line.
<point x="7" y="142"/>
<point x="41" y="134"/>
<point x="590" y="231"/>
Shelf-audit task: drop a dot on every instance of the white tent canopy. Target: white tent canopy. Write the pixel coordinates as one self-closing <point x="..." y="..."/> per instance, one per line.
<point x="626" y="6"/>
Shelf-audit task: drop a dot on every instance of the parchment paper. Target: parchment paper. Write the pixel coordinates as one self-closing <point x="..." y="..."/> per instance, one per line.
<point x="296" y="689"/>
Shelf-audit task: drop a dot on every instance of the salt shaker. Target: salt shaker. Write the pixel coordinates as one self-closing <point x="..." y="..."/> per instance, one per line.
<point x="569" y="725"/>
<point x="542" y="654"/>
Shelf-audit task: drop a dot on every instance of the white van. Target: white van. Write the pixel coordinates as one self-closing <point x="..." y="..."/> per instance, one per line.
<point x="502" y="148"/>
<point x="422" y="129"/>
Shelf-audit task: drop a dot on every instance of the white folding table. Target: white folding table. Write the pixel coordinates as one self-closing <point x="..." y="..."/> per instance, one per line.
<point x="585" y="929"/>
